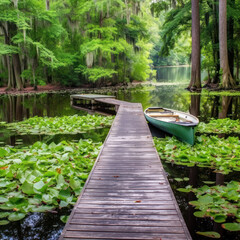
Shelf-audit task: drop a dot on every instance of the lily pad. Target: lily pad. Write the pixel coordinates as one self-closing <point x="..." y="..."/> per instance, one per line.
<point x="60" y="125"/>
<point x="4" y="222"/>
<point x="16" y="216"/>
<point x="199" y="214"/>
<point x="220" y="218"/>
<point x="210" y="234"/>
<point x="64" y="218"/>
<point x="231" y="226"/>
<point x="4" y="214"/>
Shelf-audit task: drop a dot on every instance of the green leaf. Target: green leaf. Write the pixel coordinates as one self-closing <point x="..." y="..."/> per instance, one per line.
<point x="210" y="234"/>
<point x="178" y="179"/>
<point x="184" y="190"/>
<point x="205" y="199"/>
<point x="3" y="152"/>
<point x="219" y="218"/>
<point x="3" y="199"/>
<point x="40" y="186"/>
<point x="209" y="182"/>
<point x="231" y="226"/>
<point x="4" y="222"/>
<point x="75" y="183"/>
<point x="64" y="194"/>
<point x="60" y="180"/>
<point x="16" y="216"/>
<point x="27" y="188"/>
<point x="4" y="214"/>
<point x="64" y="218"/>
<point x="199" y="214"/>
<point x="63" y="204"/>
<point x="42" y="208"/>
<point x="47" y="198"/>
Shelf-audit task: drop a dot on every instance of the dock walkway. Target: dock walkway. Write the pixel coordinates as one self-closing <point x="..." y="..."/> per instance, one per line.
<point x="127" y="194"/>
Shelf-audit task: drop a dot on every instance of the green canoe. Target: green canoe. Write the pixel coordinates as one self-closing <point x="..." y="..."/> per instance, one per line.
<point x="180" y="124"/>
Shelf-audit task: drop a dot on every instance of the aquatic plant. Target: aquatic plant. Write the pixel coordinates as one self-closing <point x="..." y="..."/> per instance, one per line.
<point x="206" y="92"/>
<point x="60" y="125"/>
<point x="43" y="177"/>
<point x="219" y="154"/>
<point x="218" y="202"/>
<point x="219" y="126"/>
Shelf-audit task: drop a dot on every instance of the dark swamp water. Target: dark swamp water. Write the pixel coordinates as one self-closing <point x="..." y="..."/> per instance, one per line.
<point x="48" y="225"/>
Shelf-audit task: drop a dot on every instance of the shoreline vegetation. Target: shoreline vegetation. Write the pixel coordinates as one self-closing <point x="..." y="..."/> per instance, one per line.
<point x="53" y="88"/>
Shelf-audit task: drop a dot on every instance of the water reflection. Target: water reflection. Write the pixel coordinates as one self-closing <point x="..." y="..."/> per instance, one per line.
<point x="37" y="226"/>
<point x="173" y="74"/>
<point x="197" y="176"/>
<point x="226" y="107"/>
<point x="195" y="105"/>
<point x="10" y="138"/>
<point x="17" y="108"/>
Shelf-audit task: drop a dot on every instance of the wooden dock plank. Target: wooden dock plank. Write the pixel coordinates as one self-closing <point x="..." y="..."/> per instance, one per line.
<point x="127" y="194"/>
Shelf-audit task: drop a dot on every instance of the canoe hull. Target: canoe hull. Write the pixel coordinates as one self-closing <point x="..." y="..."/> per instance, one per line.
<point x="183" y="133"/>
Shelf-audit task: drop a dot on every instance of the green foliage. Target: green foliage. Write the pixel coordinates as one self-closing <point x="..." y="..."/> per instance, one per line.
<point x="210" y="234"/>
<point x="177" y="22"/>
<point x="232" y="226"/>
<point x="56" y="43"/>
<point x="42" y="177"/>
<point x="94" y="74"/>
<point x="222" y="155"/>
<point x="60" y="125"/>
<point x="6" y="49"/>
<point x="218" y="202"/>
<point x="218" y="126"/>
<point x="217" y="93"/>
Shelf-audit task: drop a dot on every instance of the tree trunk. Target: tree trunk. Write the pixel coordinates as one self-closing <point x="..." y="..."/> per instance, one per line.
<point x="215" y="107"/>
<point x="100" y="37"/>
<point x="230" y="33"/>
<point x="237" y="64"/>
<point x="10" y="73"/>
<point x="4" y="27"/>
<point x="17" y="71"/>
<point x="47" y="4"/>
<point x="34" y="67"/>
<point x="196" y="69"/>
<point x="227" y="79"/>
<point x="215" y="40"/>
<point x="195" y="105"/>
<point x="226" y="106"/>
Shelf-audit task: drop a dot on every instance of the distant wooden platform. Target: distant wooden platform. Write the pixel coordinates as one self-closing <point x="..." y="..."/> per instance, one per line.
<point x="90" y="96"/>
<point x="127" y="194"/>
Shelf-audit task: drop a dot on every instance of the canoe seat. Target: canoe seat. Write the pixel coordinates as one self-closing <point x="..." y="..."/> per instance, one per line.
<point x="163" y="115"/>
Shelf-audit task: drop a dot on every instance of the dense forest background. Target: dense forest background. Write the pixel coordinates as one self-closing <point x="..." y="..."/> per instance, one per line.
<point x="103" y="42"/>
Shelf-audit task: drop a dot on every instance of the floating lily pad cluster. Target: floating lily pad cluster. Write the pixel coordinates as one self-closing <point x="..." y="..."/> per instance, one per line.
<point x="222" y="155"/>
<point x="42" y="177"/>
<point x="219" y="126"/>
<point x="60" y="125"/>
<point x="219" y="203"/>
<point x="231" y="93"/>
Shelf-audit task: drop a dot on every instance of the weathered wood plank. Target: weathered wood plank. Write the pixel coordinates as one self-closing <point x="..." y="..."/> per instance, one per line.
<point x="127" y="195"/>
<point x="126" y="211"/>
<point x="118" y="222"/>
<point x="109" y="216"/>
<point x="123" y="235"/>
<point x="123" y="202"/>
<point x="130" y="206"/>
<point x="129" y="229"/>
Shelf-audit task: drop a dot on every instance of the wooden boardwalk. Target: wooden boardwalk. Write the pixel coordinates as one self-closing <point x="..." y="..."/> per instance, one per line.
<point x="127" y="194"/>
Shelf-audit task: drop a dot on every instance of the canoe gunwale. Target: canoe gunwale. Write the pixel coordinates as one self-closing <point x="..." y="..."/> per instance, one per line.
<point x="185" y="124"/>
